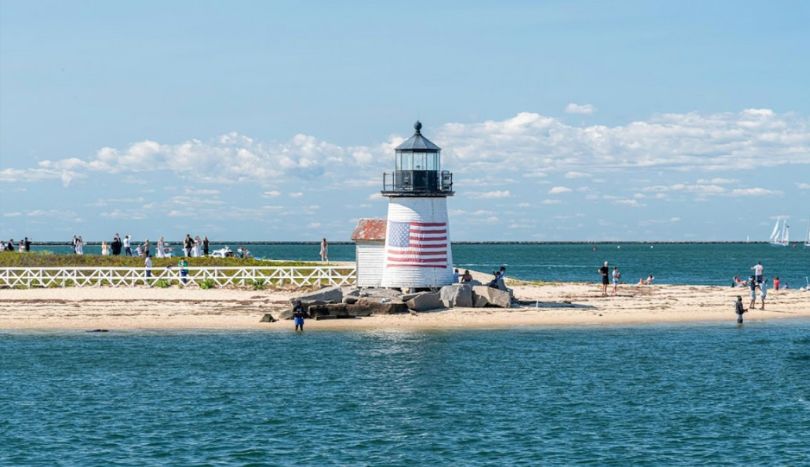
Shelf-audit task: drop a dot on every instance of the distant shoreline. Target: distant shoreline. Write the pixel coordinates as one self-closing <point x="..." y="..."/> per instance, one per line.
<point x="482" y="242"/>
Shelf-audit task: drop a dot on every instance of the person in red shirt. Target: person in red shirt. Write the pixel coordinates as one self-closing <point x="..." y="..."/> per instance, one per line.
<point x="776" y="283"/>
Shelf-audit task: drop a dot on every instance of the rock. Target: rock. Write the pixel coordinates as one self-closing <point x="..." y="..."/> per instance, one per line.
<point x="408" y="296"/>
<point x="425" y="301"/>
<point x="479" y="301"/>
<point x="286" y="313"/>
<point x="267" y="318"/>
<point x="349" y="300"/>
<point x="456" y="295"/>
<point x="379" y="308"/>
<point x="328" y="295"/>
<point x="492" y="296"/>
<point x="358" y="310"/>
<point x="330" y="309"/>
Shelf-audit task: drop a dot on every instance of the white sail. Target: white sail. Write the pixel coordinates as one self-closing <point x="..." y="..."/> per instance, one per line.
<point x="807" y="243"/>
<point x="781" y="233"/>
<point x="775" y="234"/>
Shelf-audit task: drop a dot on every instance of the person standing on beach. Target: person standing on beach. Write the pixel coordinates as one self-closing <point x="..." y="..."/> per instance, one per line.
<point x="104" y="249"/>
<point x="738" y="308"/>
<point x="604" y="271"/>
<point x="758" y="270"/>
<point x="617" y="276"/>
<point x="752" y="286"/>
<point x="324" y="250"/>
<point x="776" y="283"/>
<point x="455" y="276"/>
<point x="298" y="316"/>
<point x="183" y="265"/>
<point x="79" y="245"/>
<point x="205" y="246"/>
<point x="27" y="244"/>
<point x="127" y="245"/>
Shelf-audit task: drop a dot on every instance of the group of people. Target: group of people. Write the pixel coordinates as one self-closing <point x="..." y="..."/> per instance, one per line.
<point x="498" y="278"/>
<point x="194" y="247"/>
<point x="22" y="247"/>
<point x="120" y="246"/>
<point x="615" y="277"/>
<point x="755" y="282"/>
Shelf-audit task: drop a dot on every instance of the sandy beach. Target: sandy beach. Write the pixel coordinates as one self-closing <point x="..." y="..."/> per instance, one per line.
<point x="569" y="304"/>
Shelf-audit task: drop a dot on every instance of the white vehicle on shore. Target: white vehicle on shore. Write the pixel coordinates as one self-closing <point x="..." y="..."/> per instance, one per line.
<point x="224" y="252"/>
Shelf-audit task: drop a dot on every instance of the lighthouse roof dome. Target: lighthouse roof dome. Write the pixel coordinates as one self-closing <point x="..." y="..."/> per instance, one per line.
<point x="417" y="142"/>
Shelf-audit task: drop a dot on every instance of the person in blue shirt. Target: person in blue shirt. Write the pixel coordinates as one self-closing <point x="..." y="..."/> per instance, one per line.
<point x="298" y="317"/>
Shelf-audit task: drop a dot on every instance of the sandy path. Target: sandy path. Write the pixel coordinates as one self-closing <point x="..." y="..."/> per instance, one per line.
<point x="228" y="309"/>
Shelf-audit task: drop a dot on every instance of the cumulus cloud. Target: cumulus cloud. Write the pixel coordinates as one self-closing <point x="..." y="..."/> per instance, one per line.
<point x="803" y="186"/>
<point x="556" y="190"/>
<point x="754" y="192"/>
<point x="581" y="109"/>
<point x="529" y="144"/>
<point x="707" y="188"/>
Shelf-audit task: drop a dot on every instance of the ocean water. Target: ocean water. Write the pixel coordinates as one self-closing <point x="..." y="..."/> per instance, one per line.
<point x="670" y="263"/>
<point x="657" y="395"/>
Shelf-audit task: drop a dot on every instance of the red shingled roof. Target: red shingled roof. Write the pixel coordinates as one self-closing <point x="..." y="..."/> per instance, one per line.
<point x="369" y="229"/>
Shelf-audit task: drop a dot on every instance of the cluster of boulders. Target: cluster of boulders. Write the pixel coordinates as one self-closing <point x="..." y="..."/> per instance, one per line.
<point x="351" y="302"/>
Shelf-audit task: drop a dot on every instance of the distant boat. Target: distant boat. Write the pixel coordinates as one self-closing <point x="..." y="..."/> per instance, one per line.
<point x="781" y="233"/>
<point x="747" y="239"/>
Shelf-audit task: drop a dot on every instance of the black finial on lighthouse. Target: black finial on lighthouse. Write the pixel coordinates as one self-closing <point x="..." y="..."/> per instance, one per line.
<point x="418" y="127"/>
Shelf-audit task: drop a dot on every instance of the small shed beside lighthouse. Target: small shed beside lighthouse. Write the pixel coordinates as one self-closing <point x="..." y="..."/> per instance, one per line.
<point x="369" y="239"/>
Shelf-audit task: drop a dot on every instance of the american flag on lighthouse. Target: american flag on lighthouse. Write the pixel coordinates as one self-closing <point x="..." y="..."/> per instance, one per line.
<point x="417" y="244"/>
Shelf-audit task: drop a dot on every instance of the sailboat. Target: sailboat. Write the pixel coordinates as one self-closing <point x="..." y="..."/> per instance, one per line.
<point x="781" y="233"/>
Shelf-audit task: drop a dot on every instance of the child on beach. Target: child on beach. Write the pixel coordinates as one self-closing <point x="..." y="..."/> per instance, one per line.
<point x="616" y="278"/>
<point x="738" y="308"/>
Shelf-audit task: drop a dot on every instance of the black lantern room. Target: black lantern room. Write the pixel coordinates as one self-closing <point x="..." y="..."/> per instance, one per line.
<point x="417" y="170"/>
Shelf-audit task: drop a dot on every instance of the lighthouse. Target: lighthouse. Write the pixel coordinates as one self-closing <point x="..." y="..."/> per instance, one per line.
<point x="417" y="241"/>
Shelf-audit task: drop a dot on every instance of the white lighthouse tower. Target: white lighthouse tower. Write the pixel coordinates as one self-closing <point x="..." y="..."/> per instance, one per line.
<point x="417" y="241"/>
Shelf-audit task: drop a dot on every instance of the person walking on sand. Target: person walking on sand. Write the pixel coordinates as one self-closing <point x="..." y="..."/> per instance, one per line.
<point x="604" y="271"/>
<point x="617" y="276"/>
<point x="298" y="316"/>
<point x="738" y="308"/>
<point x="763" y="292"/>
<point x="324" y="250"/>
<point x="147" y="263"/>
<point x="758" y="270"/>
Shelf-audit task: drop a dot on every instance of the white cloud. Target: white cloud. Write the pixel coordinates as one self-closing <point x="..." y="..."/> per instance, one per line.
<point x="296" y="194"/>
<point x="575" y="174"/>
<point x="754" y="192"/>
<point x="271" y="194"/>
<point x="528" y="144"/>
<point x="581" y="109"/>
<point x="803" y="186"/>
<point x="548" y="202"/>
<point x="556" y="190"/>
<point x="497" y="194"/>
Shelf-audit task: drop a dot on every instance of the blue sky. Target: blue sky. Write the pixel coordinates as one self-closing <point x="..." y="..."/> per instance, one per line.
<point x="274" y="120"/>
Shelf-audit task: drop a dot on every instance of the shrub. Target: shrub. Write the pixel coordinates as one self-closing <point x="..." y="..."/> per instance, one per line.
<point x="207" y="284"/>
<point x="163" y="284"/>
<point x="259" y="284"/>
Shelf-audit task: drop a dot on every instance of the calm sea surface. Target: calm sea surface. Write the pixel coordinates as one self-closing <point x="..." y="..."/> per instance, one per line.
<point x="672" y="263"/>
<point x="650" y="395"/>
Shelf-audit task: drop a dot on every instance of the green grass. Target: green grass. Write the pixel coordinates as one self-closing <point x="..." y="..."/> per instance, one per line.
<point x="46" y="259"/>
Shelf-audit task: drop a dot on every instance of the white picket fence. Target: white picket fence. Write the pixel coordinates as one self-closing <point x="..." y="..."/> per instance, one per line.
<point x="276" y="276"/>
